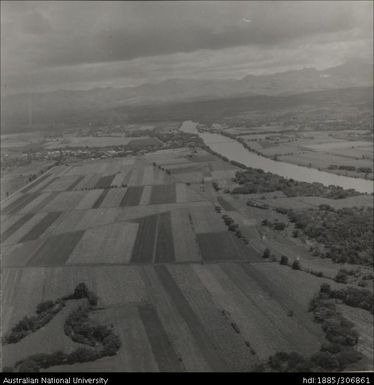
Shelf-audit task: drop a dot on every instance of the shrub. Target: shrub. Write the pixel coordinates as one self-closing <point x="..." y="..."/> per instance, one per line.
<point x="340" y="334"/>
<point x="348" y="356"/>
<point x="325" y="288"/>
<point x="44" y="360"/>
<point x="83" y="355"/>
<point x="322" y="313"/>
<point x="331" y="348"/>
<point x="284" y="260"/>
<point x="44" y="306"/>
<point x="325" y="360"/>
<point x="341" y="277"/>
<point x="296" y="265"/>
<point x="289" y="362"/>
<point x="266" y="253"/>
<point x="80" y="291"/>
<point x="111" y="344"/>
<point x="279" y="226"/>
<point x="278" y="361"/>
<point x="92" y="298"/>
<point x="28" y="366"/>
<point x="317" y="273"/>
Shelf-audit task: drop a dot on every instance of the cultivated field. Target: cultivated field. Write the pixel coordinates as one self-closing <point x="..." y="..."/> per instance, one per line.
<point x="182" y="291"/>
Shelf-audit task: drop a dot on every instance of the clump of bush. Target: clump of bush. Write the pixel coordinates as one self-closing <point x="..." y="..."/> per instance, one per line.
<point x="296" y="265"/>
<point x="343" y="235"/>
<point x="266" y="253"/>
<point x="278" y="226"/>
<point x="284" y="260"/>
<point x="339" y="351"/>
<point x="341" y="276"/>
<point x="256" y="181"/>
<point x="289" y="362"/>
<point x="80" y="328"/>
<point x="101" y="339"/>
<point x="234" y="227"/>
<point x="81" y="291"/>
<point x="353" y="296"/>
<point x="44" y="313"/>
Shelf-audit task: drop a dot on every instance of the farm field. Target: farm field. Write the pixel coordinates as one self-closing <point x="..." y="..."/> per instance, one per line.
<point x="182" y="292"/>
<point x="96" y="141"/>
<point x="194" y="307"/>
<point x="13" y="179"/>
<point x="316" y="149"/>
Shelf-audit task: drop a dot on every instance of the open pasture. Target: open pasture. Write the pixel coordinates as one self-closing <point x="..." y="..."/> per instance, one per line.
<point x="224" y="246"/>
<point x="39" y="228"/>
<point x="105" y="244"/>
<point x="35" y="204"/>
<point x="89" y="199"/>
<point x="144" y="247"/>
<point x="227" y="206"/>
<point x="132" y="196"/>
<point x="206" y="220"/>
<point x="162" y="194"/>
<point x="113" y="197"/>
<point x="56" y="249"/>
<point x="20" y="201"/>
<point x="164" y="242"/>
<point x="185" y="243"/>
<point x="65" y="200"/>
<point x="63" y="183"/>
<point x="363" y="321"/>
<point x="21" y="228"/>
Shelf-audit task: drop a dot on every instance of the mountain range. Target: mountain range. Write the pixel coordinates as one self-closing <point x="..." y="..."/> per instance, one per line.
<point x="18" y="108"/>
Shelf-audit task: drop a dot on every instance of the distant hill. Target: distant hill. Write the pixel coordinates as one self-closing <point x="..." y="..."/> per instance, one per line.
<point x="215" y="109"/>
<point x="53" y="106"/>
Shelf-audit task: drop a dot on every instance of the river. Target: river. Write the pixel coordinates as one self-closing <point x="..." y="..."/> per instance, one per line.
<point x="234" y="150"/>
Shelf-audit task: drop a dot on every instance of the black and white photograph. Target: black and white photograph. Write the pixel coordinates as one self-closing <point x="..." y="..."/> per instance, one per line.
<point x="186" y="186"/>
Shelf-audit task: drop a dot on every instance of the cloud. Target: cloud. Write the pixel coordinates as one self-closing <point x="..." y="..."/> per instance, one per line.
<point x="35" y="23"/>
<point x="57" y="38"/>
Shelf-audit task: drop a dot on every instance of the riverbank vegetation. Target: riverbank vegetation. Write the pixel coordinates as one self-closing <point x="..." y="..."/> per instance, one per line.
<point x="339" y="352"/>
<point x="343" y="235"/>
<point x="257" y="181"/>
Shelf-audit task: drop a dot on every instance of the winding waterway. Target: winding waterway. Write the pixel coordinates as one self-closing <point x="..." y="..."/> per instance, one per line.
<point x="234" y="150"/>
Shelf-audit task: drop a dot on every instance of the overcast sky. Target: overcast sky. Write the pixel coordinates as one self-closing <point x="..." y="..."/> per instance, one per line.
<point x="64" y="44"/>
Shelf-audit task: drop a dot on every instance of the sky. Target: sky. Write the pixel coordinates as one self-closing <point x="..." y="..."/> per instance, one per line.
<point x="52" y="45"/>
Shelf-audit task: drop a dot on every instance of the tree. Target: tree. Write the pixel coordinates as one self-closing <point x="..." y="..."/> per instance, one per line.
<point x="296" y="265"/>
<point x="266" y="253"/>
<point x="43" y="306"/>
<point x="83" y="355"/>
<point x="348" y="356"/>
<point x="325" y="288"/>
<point x="28" y="366"/>
<point x="341" y="277"/>
<point x="80" y="291"/>
<point x="111" y="344"/>
<point x="325" y="360"/>
<point x="284" y="260"/>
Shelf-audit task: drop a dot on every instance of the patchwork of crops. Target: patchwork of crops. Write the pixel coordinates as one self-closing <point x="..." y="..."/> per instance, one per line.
<point x="182" y="292"/>
<point x="118" y="212"/>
